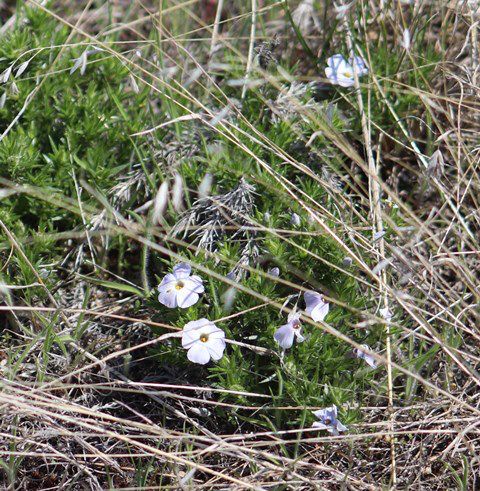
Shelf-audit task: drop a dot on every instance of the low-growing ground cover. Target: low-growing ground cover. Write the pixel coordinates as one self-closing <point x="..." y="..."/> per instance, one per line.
<point x="239" y="245"/>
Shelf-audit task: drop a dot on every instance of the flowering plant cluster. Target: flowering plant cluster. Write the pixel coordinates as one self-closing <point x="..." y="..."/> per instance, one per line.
<point x="204" y="341"/>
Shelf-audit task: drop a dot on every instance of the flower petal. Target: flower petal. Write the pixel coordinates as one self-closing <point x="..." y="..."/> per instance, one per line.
<point x="182" y="270"/>
<point x="298" y="334"/>
<point x="336" y="62"/>
<point x="168" y="298"/>
<point x="186" y="298"/>
<point x="194" y="284"/>
<point x="284" y="336"/>
<point x="345" y="81"/>
<point x="199" y="353"/>
<point x="320" y="413"/>
<point x="190" y="336"/>
<point x="341" y="427"/>
<point x="315" y="306"/>
<point x="216" y="348"/>
<point x="320" y="312"/>
<point x="214" y="332"/>
<point x="331" y="412"/>
<point x="189" y="326"/>
<point x="317" y="424"/>
<point x="167" y="283"/>
<point x="294" y="316"/>
<point x="358" y="63"/>
<point x="364" y="354"/>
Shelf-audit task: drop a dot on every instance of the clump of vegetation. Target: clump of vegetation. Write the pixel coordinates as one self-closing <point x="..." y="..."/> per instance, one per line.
<point x="242" y="238"/>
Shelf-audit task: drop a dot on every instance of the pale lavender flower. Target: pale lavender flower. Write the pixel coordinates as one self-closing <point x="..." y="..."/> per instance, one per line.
<point x="347" y="261"/>
<point x="341" y="72"/>
<point x="328" y="420"/>
<point x="386" y="314"/>
<point x="364" y="354"/>
<point x="180" y="289"/>
<point x="204" y="341"/>
<point x="295" y="219"/>
<point x="315" y="306"/>
<point x="274" y="271"/>
<point x="286" y="334"/>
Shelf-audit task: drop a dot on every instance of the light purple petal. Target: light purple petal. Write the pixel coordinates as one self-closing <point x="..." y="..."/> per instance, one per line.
<point x="359" y="64"/>
<point x="345" y="81"/>
<point x="167" y="283"/>
<point x="168" y="298"/>
<point x="320" y="413"/>
<point x="326" y="413"/>
<point x="186" y="298"/>
<point x="331" y="412"/>
<point x="298" y="334"/>
<point x="336" y="62"/>
<point x="320" y="312"/>
<point x="315" y="306"/>
<point x="341" y="427"/>
<point x="311" y="300"/>
<point x="274" y="272"/>
<point x="182" y="270"/>
<point x="199" y="353"/>
<point x="190" y="336"/>
<point x="284" y="336"/>
<point x="216" y="348"/>
<point x="194" y="284"/>
<point x="317" y="424"/>
<point x="364" y="354"/>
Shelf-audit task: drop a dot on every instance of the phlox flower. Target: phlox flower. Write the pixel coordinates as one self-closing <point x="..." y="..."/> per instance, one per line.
<point x="286" y="334"/>
<point x="315" y="306"/>
<point x="364" y="354"/>
<point x="180" y="289"/>
<point x="274" y="271"/>
<point x="386" y="314"/>
<point x="341" y="72"/>
<point x="203" y="340"/>
<point x="328" y="420"/>
<point x="295" y="219"/>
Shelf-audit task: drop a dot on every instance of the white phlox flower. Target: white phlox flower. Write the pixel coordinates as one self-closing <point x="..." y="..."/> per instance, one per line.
<point x="341" y="72"/>
<point x="203" y="340"/>
<point x="180" y="288"/>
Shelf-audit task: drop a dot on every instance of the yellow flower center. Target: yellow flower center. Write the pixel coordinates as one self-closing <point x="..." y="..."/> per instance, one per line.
<point x="348" y="74"/>
<point x="179" y="285"/>
<point x="204" y="338"/>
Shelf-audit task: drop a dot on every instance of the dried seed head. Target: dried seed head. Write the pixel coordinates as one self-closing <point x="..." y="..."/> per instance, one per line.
<point x="265" y="52"/>
<point x="213" y="219"/>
